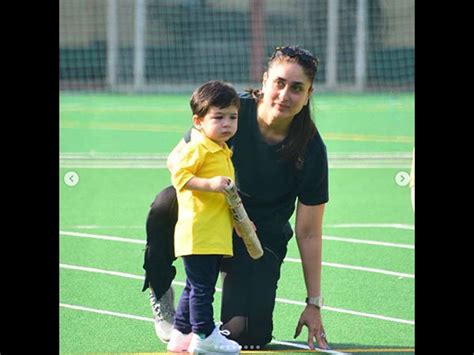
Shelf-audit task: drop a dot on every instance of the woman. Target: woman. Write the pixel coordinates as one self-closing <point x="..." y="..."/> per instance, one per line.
<point x="279" y="159"/>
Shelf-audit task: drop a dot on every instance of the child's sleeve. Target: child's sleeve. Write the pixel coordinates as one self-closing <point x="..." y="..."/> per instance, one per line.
<point x="187" y="167"/>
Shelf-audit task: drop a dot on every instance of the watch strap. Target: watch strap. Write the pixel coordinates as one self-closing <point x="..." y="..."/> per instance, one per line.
<point x="315" y="301"/>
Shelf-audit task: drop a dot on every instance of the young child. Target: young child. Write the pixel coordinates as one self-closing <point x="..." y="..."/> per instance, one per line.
<point x="203" y="233"/>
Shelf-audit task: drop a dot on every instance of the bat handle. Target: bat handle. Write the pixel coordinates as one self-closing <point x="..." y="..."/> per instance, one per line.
<point x="230" y="186"/>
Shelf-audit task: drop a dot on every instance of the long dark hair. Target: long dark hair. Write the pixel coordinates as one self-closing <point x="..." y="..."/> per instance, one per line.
<point x="302" y="128"/>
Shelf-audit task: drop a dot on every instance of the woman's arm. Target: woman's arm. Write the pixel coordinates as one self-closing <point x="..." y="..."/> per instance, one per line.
<point x="173" y="156"/>
<point x="309" y="221"/>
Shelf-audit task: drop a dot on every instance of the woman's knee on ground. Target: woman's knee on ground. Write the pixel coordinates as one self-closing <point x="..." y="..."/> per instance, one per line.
<point x="254" y="338"/>
<point x="236" y="326"/>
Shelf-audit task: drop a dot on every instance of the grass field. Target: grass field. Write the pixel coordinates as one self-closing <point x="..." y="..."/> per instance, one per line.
<point x="117" y="145"/>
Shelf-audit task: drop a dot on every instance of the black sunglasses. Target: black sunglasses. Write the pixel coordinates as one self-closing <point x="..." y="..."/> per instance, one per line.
<point x="295" y="52"/>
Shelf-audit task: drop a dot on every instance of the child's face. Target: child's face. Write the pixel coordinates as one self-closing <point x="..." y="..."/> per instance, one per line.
<point x="218" y="124"/>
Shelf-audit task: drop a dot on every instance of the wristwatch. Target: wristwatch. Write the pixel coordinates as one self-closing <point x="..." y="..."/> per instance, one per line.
<point x="315" y="301"/>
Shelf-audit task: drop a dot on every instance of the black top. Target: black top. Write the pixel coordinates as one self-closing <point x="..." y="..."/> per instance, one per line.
<point x="269" y="186"/>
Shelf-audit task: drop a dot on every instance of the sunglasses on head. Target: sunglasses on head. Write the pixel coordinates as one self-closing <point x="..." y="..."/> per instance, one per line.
<point x="295" y="52"/>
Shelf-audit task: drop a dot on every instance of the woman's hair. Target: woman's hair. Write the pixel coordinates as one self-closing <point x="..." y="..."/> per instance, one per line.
<point x="302" y="128"/>
<point x="213" y="93"/>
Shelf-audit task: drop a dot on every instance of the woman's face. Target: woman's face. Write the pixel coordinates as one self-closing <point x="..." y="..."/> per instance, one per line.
<point x="286" y="90"/>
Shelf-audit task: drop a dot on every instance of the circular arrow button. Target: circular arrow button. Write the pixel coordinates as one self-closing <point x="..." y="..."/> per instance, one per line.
<point x="71" y="178"/>
<point x="402" y="178"/>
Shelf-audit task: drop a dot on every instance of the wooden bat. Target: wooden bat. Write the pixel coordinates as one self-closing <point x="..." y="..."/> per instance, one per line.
<point x="242" y="221"/>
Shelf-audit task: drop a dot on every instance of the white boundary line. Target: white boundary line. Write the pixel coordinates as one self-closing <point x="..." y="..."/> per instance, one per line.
<point x="101" y="271"/>
<point x="305" y="347"/>
<point x="94" y="226"/>
<point x="103" y="237"/>
<point x="353" y="160"/>
<point x="342" y="225"/>
<point x="346" y="311"/>
<point x="371" y="242"/>
<point x="293" y="260"/>
<point x="280" y="300"/>
<point x="358" y="268"/>
<point x="325" y="237"/>
<point x="109" y="313"/>
<point x="131" y="316"/>
<point x="372" y="225"/>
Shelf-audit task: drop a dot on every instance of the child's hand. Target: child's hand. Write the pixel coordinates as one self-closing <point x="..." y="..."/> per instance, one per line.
<point x="218" y="183"/>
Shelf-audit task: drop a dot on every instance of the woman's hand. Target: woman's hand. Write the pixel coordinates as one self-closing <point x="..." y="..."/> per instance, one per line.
<point x="311" y="318"/>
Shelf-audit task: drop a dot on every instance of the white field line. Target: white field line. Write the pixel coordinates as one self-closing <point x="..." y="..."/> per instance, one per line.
<point x="358" y="268"/>
<point x="102" y="237"/>
<point x="341" y="310"/>
<point x="370" y="242"/>
<point x="101" y="311"/>
<point x="294" y="260"/>
<point x="306" y="347"/>
<point x="101" y="271"/>
<point x="357" y="160"/>
<point x="117" y="108"/>
<point x="372" y="225"/>
<point x="342" y="225"/>
<point x="112" y="166"/>
<point x="151" y="320"/>
<point x="280" y="300"/>
<point x="93" y="226"/>
<point x="326" y="237"/>
<point x="341" y="266"/>
<point x="113" y="161"/>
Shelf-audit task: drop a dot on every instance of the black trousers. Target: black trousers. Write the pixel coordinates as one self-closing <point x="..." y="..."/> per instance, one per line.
<point x="249" y="287"/>
<point x="249" y="290"/>
<point x="159" y="251"/>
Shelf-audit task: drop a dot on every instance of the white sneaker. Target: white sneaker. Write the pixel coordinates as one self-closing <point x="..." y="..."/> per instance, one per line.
<point x="179" y="342"/>
<point x="215" y="343"/>
<point x="163" y="312"/>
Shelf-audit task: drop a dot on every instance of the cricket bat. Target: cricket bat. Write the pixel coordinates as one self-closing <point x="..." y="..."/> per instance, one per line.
<point x="242" y="222"/>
